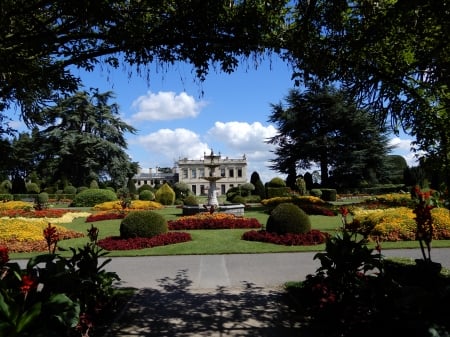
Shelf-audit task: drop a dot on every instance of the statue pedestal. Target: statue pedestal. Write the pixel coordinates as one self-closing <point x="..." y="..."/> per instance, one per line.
<point x="212" y="198"/>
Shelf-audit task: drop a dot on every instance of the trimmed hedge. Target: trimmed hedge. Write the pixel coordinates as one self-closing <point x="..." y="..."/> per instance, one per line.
<point x="92" y="197"/>
<point x="144" y="224"/>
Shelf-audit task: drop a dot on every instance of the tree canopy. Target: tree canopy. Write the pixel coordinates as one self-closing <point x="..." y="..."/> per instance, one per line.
<point x="323" y="126"/>
<point x="41" y="40"/>
<point x="82" y="140"/>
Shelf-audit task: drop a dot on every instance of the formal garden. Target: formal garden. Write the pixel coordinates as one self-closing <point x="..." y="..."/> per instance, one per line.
<point x="354" y="291"/>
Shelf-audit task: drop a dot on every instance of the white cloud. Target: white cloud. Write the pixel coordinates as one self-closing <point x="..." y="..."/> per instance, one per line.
<point x="400" y="144"/>
<point x="243" y="136"/>
<point x="166" y="106"/>
<point x="403" y="147"/>
<point x="249" y="139"/>
<point x="166" y="145"/>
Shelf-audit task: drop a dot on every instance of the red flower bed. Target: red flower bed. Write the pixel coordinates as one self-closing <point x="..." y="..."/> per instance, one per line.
<point x="314" y="237"/>
<point x="311" y="209"/>
<point x="105" y="216"/>
<point x="213" y="222"/>
<point x="45" y="213"/>
<point x="117" y="243"/>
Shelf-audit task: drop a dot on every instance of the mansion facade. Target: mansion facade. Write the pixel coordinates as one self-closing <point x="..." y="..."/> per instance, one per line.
<point x="229" y="173"/>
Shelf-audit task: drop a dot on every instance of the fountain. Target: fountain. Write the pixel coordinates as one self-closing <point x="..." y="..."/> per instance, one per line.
<point x="212" y="161"/>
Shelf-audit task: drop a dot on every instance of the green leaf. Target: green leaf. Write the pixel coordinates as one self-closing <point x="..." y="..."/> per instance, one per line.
<point x="28" y="317"/>
<point x="61" y="307"/>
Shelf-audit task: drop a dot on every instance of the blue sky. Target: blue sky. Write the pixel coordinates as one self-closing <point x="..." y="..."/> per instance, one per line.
<point x="177" y="117"/>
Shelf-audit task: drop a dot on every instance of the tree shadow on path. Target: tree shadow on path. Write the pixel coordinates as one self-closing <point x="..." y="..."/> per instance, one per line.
<point x="177" y="310"/>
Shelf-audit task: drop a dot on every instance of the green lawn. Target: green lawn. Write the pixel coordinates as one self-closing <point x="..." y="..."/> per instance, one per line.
<point x="226" y="241"/>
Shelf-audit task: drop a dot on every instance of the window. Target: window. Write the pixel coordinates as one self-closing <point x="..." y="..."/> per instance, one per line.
<point x="202" y="190"/>
<point x="222" y="189"/>
<point x="185" y="173"/>
<point x="222" y="172"/>
<point x="201" y="172"/>
<point x="194" y="189"/>
<point x="239" y="172"/>
<point x="231" y="173"/>
<point x="193" y="173"/>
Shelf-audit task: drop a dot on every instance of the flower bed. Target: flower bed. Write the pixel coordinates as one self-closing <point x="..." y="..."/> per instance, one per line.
<point x="212" y="221"/>
<point x="15" y="205"/>
<point x="313" y="237"/>
<point x="20" y="236"/>
<point x="397" y="223"/>
<point x="101" y="216"/>
<point x="117" y="243"/>
<point x="134" y="204"/>
<point x="30" y="213"/>
<point x="311" y="205"/>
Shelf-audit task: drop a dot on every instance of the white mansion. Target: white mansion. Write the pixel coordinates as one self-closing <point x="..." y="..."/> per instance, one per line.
<point x="232" y="173"/>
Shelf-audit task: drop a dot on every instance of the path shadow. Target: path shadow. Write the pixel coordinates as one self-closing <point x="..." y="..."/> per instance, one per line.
<point x="177" y="310"/>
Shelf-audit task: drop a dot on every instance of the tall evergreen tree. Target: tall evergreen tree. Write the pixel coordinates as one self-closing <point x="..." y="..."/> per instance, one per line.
<point x="259" y="186"/>
<point x="324" y="127"/>
<point x="86" y="138"/>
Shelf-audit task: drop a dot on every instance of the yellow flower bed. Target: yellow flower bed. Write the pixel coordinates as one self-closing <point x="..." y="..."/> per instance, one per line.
<point x="135" y="204"/>
<point x="26" y="235"/>
<point x="398" y="223"/>
<point x="394" y="199"/>
<point x="297" y="199"/>
<point x="4" y="206"/>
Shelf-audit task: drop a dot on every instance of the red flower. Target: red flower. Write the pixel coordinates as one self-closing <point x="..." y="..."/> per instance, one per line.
<point x="52" y="237"/>
<point x="4" y="257"/>
<point x="28" y="283"/>
<point x="344" y="211"/>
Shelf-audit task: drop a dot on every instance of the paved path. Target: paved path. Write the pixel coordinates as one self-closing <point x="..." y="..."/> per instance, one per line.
<point x="217" y="295"/>
<point x="212" y="271"/>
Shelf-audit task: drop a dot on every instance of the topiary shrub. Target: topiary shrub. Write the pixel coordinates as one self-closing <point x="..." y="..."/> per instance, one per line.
<point x="82" y="188"/>
<point x="145" y="187"/>
<point x="41" y="201"/>
<point x="144" y="224"/>
<point x="288" y="218"/>
<point x="69" y="189"/>
<point x="92" y="197"/>
<point x="147" y="195"/>
<point x="32" y="188"/>
<point x="232" y="193"/>
<point x="238" y="200"/>
<point x="165" y="195"/>
<point x="190" y="200"/>
<point x="315" y="192"/>
<point x="5" y="186"/>
<point x="276" y="182"/>
<point x="329" y="194"/>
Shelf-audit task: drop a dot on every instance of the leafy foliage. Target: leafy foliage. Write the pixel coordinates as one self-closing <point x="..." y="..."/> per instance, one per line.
<point x="165" y="195"/>
<point x="92" y="197"/>
<point x="55" y="296"/>
<point x="288" y="218"/>
<point x="52" y="37"/>
<point x="143" y="224"/>
<point x="324" y="126"/>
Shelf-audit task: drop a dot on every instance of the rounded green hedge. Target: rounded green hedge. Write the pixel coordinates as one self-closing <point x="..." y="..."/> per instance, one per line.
<point x="143" y="224"/>
<point x="190" y="200"/>
<point x="165" y="195"/>
<point x="92" y="197"/>
<point x="288" y="218"/>
<point x="147" y="195"/>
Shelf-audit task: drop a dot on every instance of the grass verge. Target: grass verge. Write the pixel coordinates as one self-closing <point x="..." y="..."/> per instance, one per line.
<point x="224" y="241"/>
